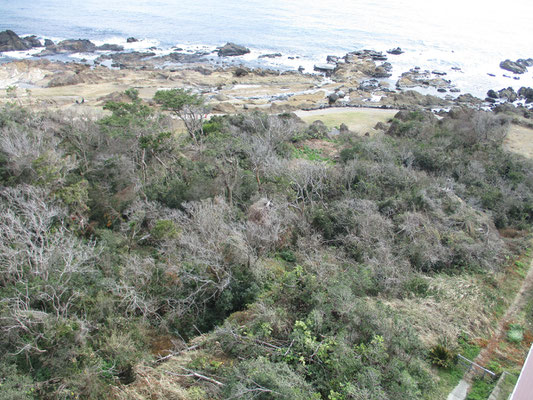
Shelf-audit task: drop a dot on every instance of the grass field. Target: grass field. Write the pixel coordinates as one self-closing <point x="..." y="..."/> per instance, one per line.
<point x="360" y="120"/>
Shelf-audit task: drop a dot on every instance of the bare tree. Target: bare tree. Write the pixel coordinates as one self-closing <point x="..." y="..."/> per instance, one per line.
<point x="309" y="181"/>
<point x="35" y="245"/>
<point x="264" y="136"/>
<point x="209" y="245"/>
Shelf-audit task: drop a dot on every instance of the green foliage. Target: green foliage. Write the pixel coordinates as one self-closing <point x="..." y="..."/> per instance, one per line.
<point x="309" y="154"/>
<point x="467" y="348"/>
<point x="214" y="125"/>
<point x="125" y="116"/>
<point x="441" y="356"/>
<point x="116" y="231"/>
<point x="11" y="91"/>
<point x="481" y="389"/>
<point x="164" y="229"/>
<point x="515" y="334"/>
<point x="263" y="379"/>
<point x="287" y="255"/>
<point x="176" y="99"/>
<point x="418" y="286"/>
<point x="13" y="384"/>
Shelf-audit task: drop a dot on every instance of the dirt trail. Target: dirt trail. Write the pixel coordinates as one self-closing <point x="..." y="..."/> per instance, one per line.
<point x="461" y="390"/>
<point x="501" y="330"/>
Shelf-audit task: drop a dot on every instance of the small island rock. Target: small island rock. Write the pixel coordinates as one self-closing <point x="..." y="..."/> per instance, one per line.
<point x="232" y="49"/>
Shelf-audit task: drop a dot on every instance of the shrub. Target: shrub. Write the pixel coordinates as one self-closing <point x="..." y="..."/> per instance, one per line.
<point x="481" y="389"/>
<point x="263" y="379"/>
<point x="515" y="333"/>
<point x="441" y="356"/>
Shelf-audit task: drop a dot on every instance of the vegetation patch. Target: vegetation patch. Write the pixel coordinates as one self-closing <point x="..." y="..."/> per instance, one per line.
<point x="242" y="261"/>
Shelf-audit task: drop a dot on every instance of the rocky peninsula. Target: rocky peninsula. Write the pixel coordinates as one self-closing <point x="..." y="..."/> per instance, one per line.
<point x="361" y="78"/>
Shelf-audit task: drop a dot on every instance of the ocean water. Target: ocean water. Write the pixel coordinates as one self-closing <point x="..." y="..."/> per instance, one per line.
<point x="474" y="35"/>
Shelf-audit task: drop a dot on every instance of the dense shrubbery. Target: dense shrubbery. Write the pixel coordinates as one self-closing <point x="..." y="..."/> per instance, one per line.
<point x="116" y="231"/>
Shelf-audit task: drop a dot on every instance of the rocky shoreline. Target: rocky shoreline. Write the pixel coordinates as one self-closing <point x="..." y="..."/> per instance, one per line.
<point x="359" y="79"/>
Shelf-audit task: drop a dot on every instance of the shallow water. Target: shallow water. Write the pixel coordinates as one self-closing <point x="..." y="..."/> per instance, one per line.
<point x="473" y="35"/>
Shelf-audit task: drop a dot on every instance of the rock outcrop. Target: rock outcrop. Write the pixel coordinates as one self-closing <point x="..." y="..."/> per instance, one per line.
<point x="33" y="41"/>
<point x="415" y="77"/>
<point x="10" y="41"/>
<point x="110" y="47"/>
<point x="232" y="50"/>
<point x="508" y="94"/>
<point x="65" y="79"/>
<point x="68" y="46"/>
<point x="516" y="67"/>
<point x="526" y="93"/>
<point x="272" y="55"/>
<point x="396" y="51"/>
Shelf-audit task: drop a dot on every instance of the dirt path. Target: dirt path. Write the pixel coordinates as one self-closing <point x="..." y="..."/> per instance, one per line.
<point x="499" y="334"/>
<point x="461" y="390"/>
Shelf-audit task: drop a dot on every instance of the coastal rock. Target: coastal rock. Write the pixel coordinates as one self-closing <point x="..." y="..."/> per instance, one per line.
<point x="369" y="85"/>
<point x="513" y="66"/>
<point x="358" y="65"/>
<point x="387" y="66"/>
<point x="414" y="78"/>
<point x="410" y="98"/>
<point x="110" y="47"/>
<point x="232" y="50"/>
<point x="526" y="93"/>
<point x="240" y="72"/>
<point x="492" y="94"/>
<point x="333" y="97"/>
<point x="186" y="58"/>
<point x="33" y="41"/>
<point x="76" y="46"/>
<point x="332" y="59"/>
<point x="65" y="79"/>
<point x="468" y="98"/>
<point x="10" y="41"/>
<point x="273" y="55"/>
<point x="396" y="51"/>
<point x="328" y="68"/>
<point x="437" y="72"/>
<point x="508" y="94"/>
<point x="381" y="72"/>
<point x="68" y="46"/>
<point x="126" y="60"/>
<point x="131" y="40"/>
<point x="48" y="43"/>
<point x="525" y="62"/>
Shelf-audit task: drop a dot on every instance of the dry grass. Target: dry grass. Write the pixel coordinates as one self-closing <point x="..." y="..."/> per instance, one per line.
<point x="455" y="304"/>
<point x="359" y="120"/>
<point x="166" y="380"/>
<point x="520" y="140"/>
